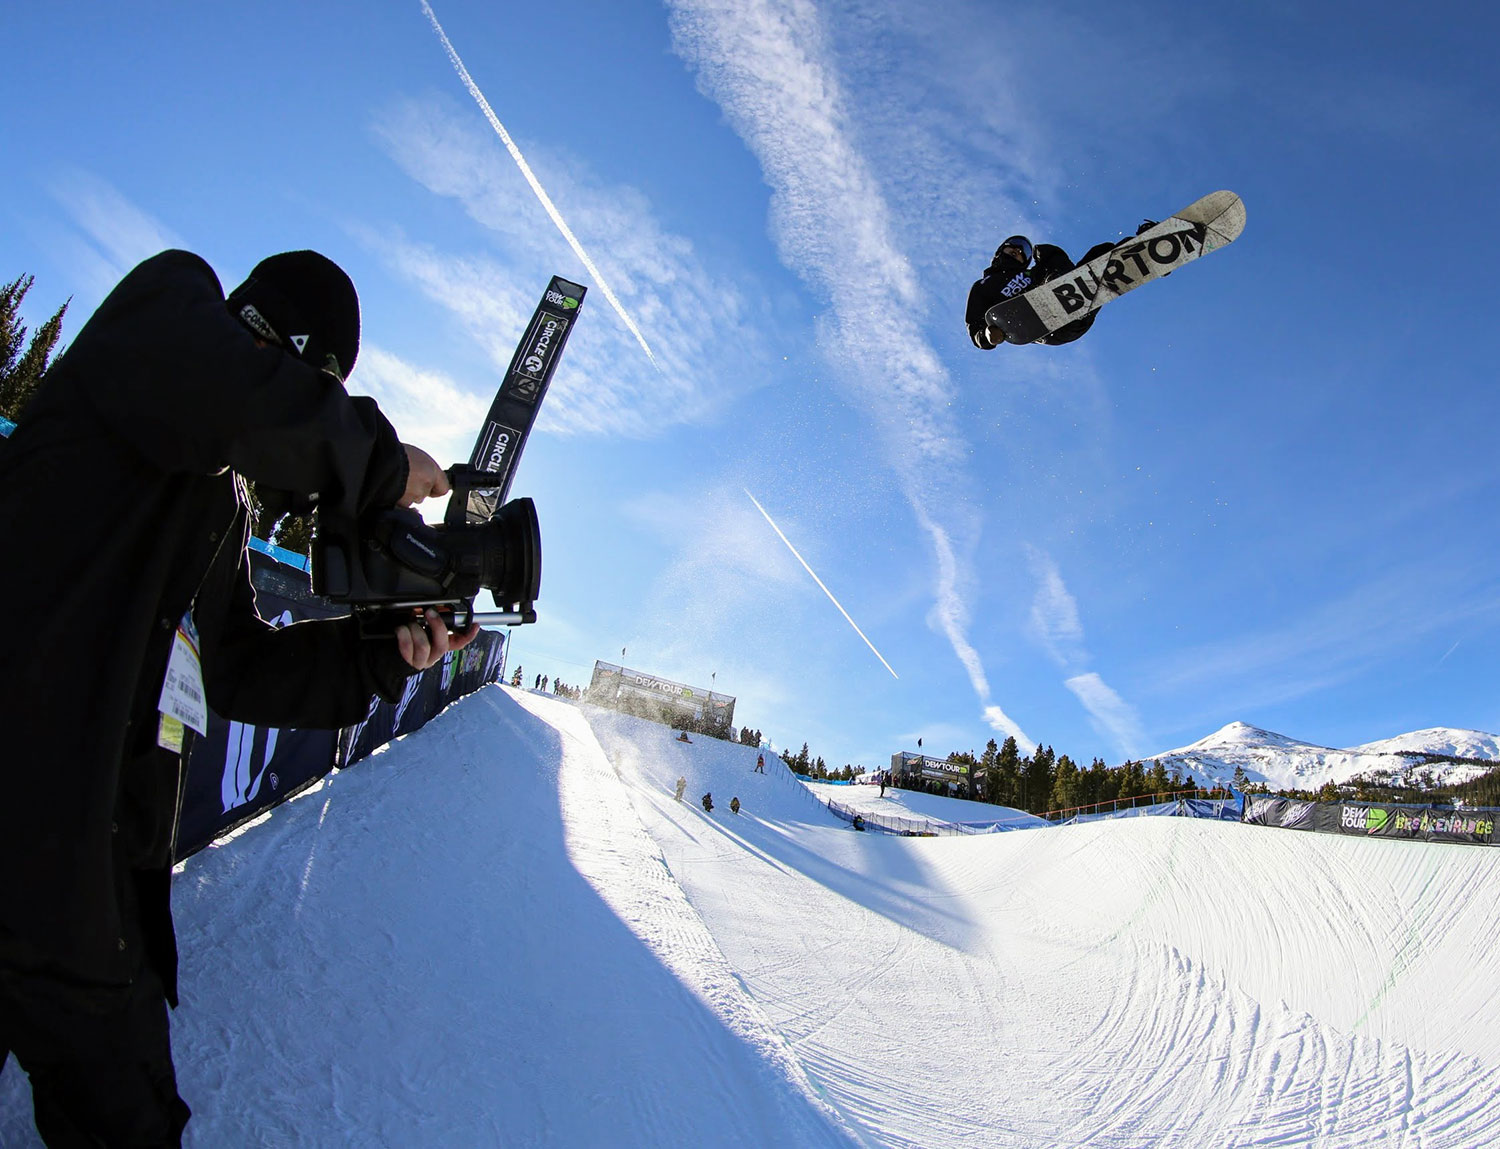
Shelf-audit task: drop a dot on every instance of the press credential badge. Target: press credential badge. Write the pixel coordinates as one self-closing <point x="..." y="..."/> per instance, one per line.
<point x="182" y="697"/>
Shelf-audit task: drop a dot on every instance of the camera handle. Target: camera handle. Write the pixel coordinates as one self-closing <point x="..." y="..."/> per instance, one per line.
<point x="464" y="479"/>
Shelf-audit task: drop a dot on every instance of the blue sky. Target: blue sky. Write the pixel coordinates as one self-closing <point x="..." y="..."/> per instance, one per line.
<point x="1263" y="490"/>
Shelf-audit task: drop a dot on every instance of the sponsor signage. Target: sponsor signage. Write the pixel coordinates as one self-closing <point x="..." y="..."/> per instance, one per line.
<point x="1418" y="823"/>
<point x="1375" y="820"/>
<point x="514" y="410"/>
<point x="616" y="685"/>
<point x="1288" y="813"/>
<point x="1127" y="265"/>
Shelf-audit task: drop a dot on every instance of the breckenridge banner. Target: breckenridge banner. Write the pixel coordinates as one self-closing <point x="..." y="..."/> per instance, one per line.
<point x="516" y="403"/>
<point x="1417" y="823"/>
<point x="1375" y="820"/>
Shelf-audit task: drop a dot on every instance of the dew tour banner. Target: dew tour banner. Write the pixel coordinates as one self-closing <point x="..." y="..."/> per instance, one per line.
<point x="1417" y="823"/>
<point x="498" y="448"/>
<point x="647" y="696"/>
<point x="1375" y="820"/>
<point x="237" y="771"/>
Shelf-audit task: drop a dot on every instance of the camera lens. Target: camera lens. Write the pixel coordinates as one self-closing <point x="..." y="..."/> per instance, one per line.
<point x="511" y="553"/>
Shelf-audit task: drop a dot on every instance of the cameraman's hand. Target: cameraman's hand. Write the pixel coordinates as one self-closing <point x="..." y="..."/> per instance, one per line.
<point x="424" y="479"/>
<point x="424" y="646"/>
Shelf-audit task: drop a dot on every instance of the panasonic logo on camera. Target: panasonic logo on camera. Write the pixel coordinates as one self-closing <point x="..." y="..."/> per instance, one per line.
<point x="499" y="441"/>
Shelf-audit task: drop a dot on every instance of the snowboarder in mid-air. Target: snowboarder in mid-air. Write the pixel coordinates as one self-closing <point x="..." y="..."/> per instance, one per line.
<point x="1019" y="266"/>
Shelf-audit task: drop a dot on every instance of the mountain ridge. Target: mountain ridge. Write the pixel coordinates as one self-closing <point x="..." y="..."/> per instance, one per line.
<point x="1451" y="755"/>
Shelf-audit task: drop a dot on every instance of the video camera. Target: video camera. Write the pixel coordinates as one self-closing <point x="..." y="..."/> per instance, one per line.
<point x="391" y="567"/>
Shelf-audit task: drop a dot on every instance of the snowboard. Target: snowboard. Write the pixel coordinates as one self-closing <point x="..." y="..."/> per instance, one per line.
<point x="1203" y="226"/>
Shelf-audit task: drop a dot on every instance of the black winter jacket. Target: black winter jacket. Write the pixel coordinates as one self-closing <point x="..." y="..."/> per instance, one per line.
<point x="120" y="510"/>
<point x="1001" y="282"/>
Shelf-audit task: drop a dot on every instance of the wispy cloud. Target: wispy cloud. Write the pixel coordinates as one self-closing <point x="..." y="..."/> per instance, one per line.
<point x="1058" y="628"/>
<point x="536" y="185"/>
<point x="1054" y="611"/>
<point x="769" y="67"/>
<point x="604" y="385"/>
<point x="113" y="233"/>
<point x="1333" y="641"/>
<point x="1111" y="715"/>
<point x="427" y="408"/>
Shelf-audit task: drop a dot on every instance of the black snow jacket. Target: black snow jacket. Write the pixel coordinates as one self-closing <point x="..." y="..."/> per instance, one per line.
<point x="1002" y="281"/>
<point x="121" y="509"/>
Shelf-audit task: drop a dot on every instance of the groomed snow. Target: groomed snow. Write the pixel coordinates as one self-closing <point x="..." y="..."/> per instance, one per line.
<point x="503" y="930"/>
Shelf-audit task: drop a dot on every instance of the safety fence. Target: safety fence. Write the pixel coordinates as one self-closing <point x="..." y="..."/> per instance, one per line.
<point x="1183" y="806"/>
<point x="1118" y="807"/>
<point x="1217" y="809"/>
<point x="919" y="827"/>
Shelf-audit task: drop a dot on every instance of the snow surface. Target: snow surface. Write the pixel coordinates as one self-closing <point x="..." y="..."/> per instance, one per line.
<point x="503" y="930"/>
<point x="1287" y="764"/>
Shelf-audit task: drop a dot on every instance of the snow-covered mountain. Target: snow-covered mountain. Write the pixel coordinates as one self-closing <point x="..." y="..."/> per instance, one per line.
<point x="1286" y="764"/>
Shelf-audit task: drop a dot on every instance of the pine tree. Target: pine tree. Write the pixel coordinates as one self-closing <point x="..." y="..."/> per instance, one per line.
<point x="1157" y="781"/>
<point x="1008" y="771"/>
<point x="1038" y="780"/>
<point x="1065" y="785"/>
<point x="294" y="533"/>
<point x="1093" y="782"/>
<point x="988" y="770"/>
<point x="21" y="373"/>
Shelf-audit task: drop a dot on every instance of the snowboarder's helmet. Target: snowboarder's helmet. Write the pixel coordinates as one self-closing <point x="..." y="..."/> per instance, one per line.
<point x="305" y="304"/>
<point x="1021" y="244"/>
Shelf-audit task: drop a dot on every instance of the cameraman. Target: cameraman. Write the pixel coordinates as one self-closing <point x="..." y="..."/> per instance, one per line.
<point x="124" y="517"/>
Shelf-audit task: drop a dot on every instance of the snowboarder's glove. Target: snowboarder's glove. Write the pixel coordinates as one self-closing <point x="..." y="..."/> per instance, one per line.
<point x="996" y="335"/>
<point x="982" y="340"/>
<point x="1146" y="225"/>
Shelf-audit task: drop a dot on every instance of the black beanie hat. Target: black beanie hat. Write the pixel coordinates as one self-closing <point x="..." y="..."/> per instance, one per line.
<point x="303" y="302"/>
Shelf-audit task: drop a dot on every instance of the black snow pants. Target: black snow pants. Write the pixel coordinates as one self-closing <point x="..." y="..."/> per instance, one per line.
<point x="99" y="1058"/>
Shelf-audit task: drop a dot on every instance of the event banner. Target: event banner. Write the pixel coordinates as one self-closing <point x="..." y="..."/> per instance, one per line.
<point x="1288" y="813"/>
<point x="647" y="696"/>
<point x="1375" y="820"/>
<point x="516" y="403"/>
<point x="1418" y="823"/>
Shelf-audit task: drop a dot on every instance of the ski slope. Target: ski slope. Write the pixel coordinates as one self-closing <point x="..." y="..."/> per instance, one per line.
<point x="503" y="930"/>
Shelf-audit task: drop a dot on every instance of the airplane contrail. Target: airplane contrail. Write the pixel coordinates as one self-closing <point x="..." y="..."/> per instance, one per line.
<point x="819" y="581"/>
<point x="536" y="185"/>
